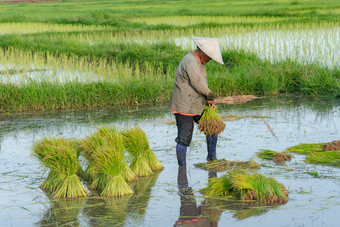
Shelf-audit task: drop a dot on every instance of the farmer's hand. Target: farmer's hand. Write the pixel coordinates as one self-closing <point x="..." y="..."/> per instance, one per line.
<point x="211" y="104"/>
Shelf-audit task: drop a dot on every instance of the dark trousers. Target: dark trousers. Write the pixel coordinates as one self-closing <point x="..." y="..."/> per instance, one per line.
<point x="185" y="128"/>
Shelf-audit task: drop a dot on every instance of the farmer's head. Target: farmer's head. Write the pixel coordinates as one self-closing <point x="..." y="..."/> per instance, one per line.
<point x="208" y="48"/>
<point x="202" y="56"/>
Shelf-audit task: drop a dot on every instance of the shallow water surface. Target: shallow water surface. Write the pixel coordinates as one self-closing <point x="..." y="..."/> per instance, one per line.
<point x="157" y="201"/>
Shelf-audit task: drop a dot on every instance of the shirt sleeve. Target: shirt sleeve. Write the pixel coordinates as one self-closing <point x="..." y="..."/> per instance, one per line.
<point x="198" y="82"/>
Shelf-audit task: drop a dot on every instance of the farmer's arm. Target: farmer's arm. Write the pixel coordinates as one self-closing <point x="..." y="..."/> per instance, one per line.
<point x="199" y="83"/>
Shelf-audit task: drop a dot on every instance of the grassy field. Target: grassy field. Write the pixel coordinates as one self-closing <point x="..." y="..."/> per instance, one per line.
<point x="95" y="54"/>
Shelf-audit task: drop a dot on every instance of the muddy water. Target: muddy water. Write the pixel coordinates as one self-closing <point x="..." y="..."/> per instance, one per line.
<point x="313" y="201"/>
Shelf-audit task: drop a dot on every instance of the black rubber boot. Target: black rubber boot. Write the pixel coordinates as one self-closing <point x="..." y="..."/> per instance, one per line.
<point x="211" y="145"/>
<point x="181" y="152"/>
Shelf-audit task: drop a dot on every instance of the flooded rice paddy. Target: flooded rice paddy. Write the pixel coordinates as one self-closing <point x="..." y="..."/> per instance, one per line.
<point x="307" y="46"/>
<point x="314" y="199"/>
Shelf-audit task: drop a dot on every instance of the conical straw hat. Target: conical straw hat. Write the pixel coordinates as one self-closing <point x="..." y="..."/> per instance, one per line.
<point x="210" y="47"/>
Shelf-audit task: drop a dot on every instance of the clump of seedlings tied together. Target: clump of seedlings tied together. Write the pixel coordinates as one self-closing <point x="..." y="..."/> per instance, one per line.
<point x="107" y="159"/>
<point x="103" y="137"/>
<point x="319" y="153"/>
<point x="276" y="157"/>
<point x="61" y="157"/>
<point x="143" y="160"/>
<point x="107" y="171"/>
<point x="246" y="186"/>
<point x="210" y="123"/>
<point x="222" y="165"/>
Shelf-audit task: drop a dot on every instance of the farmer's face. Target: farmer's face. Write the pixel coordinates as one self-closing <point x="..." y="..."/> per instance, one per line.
<point x="205" y="58"/>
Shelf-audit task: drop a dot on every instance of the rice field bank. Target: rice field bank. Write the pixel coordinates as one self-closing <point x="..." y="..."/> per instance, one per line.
<point x="63" y="55"/>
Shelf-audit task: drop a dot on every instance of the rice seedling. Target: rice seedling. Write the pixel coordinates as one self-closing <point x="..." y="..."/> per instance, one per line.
<point x="210" y="123"/>
<point x="305" y="148"/>
<point x="277" y="157"/>
<point x="218" y="187"/>
<point x="266" y="154"/>
<point x="60" y="156"/>
<point x="222" y="165"/>
<point x="102" y="138"/>
<point x="143" y="160"/>
<point x="331" y="158"/>
<point x="319" y="153"/>
<point x="247" y="186"/>
<point x="192" y="20"/>
<point x="29" y="27"/>
<point x="107" y="155"/>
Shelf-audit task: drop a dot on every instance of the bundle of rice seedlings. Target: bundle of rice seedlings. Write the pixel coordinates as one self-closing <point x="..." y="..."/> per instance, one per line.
<point x="143" y="160"/>
<point x="210" y="123"/>
<point x="153" y="161"/>
<point x="77" y="145"/>
<point x="222" y="165"/>
<point x="266" y="154"/>
<point x="104" y="136"/>
<point x="218" y="187"/>
<point x="305" y="148"/>
<point x="331" y="158"/>
<point x="247" y="186"/>
<point x="108" y="159"/>
<point x="61" y="158"/>
<point x="277" y="157"/>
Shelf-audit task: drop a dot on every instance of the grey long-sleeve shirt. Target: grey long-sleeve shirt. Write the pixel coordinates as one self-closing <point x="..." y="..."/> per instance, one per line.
<point x="191" y="86"/>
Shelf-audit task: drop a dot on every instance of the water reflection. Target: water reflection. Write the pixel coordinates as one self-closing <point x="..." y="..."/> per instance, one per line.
<point x="208" y="213"/>
<point x="62" y="212"/>
<point x="190" y="213"/>
<point x="101" y="211"/>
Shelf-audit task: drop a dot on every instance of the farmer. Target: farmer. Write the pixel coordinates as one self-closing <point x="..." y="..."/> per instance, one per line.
<point x="191" y="94"/>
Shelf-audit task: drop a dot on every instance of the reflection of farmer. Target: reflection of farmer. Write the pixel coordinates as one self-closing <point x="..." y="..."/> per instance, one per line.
<point x="191" y="94"/>
<point x="190" y="213"/>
